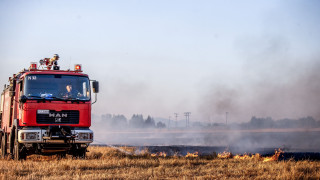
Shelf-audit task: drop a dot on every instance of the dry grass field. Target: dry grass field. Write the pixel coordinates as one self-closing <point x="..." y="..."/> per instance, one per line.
<point x="108" y="163"/>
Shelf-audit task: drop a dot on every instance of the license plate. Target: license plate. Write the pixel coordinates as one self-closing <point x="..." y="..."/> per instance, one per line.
<point x="41" y="111"/>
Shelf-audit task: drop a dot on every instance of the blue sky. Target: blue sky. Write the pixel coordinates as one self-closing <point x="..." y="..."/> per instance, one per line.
<point x="160" y="57"/>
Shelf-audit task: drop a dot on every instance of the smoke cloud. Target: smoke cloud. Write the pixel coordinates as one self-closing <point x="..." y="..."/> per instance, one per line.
<point x="272" y="84"/>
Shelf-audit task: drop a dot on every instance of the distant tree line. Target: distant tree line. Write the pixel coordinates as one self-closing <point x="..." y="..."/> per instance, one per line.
<point x="136" y="121"/>
<point x="268" y="122"/>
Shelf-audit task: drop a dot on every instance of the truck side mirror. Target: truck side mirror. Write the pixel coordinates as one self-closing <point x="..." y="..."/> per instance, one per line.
<point x="95" y="86"/>
<point x="23" y="99"/>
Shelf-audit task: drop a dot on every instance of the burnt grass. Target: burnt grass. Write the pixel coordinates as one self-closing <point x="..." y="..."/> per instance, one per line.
<point x="138" y="163"/>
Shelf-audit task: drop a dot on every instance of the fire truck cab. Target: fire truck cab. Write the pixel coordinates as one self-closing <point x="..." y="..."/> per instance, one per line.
<point x="47" y="111"/>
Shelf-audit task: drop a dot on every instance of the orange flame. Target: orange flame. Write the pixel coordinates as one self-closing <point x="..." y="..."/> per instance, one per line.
<point x="227" y="155"/>
<point x="245" y="156"/>
<point x="192" y="154"/>
<point x="224" y="155"/>
<point x="159" y="154"/>
<point x="275" y="157"/>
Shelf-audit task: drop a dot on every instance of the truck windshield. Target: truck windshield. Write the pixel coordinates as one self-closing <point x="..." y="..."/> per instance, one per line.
<point x="57" y="87"/>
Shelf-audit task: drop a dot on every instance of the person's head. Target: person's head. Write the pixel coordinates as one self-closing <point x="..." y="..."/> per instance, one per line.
<point x="69" y="87"/>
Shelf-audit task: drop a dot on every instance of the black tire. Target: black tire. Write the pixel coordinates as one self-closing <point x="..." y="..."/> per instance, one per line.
<point x="19" y="153"/>
<point x="0" y="141"/>
<point x="62" y="155"/>
<point x="11" y="141"/>
<point x="79" y="153"/>
<point x="4" y="145"/>
<point x="82" y="153"/>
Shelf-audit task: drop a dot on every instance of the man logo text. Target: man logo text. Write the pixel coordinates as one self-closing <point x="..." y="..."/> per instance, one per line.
<point x="58" y="115"/>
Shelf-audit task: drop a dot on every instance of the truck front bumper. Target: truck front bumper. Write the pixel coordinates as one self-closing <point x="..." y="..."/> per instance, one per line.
<point x="37" y="135"/>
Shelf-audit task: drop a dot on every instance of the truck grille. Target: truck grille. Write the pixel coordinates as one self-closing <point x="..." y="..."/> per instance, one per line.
<point x="58" y="117"/>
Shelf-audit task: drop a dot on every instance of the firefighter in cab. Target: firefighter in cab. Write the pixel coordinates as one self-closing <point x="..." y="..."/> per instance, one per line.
<point x="70" y="93"/>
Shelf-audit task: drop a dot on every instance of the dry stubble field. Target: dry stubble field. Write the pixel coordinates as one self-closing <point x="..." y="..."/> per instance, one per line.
<point x="107" y="163"/>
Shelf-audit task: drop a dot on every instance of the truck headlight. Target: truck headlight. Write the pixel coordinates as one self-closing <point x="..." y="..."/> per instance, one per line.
<point x="29" y="135"/>
<point x="85" y="136"/>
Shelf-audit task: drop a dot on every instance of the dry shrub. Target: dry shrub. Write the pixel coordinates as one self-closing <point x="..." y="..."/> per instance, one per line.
<point x="96" y="152"/>
<point x="94" y="155"/>
<point x="114" y="153"/>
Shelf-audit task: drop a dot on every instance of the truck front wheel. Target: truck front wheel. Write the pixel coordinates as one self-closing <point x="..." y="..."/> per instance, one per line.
<point x="4" y="145"/>
<point x="19" y="153"/>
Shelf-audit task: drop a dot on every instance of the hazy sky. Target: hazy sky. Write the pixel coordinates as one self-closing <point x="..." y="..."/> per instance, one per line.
<point x="159" y="57"/>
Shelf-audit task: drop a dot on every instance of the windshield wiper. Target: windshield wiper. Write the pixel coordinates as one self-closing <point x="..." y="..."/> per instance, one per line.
<point x="57" y="98"/>
<point x="75" y="99"/>
<point x="47" y="98"/>
<point x="35" y="97"/>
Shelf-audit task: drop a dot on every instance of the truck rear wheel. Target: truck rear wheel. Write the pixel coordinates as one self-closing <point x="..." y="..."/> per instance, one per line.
<point x="4" y="145"/>
<point x="62" y="155"/>
<point x="19" y="153"/>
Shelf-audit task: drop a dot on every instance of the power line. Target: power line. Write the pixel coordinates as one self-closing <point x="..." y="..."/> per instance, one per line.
<point x="187" y="115"/>
<point x="176" y="115"/>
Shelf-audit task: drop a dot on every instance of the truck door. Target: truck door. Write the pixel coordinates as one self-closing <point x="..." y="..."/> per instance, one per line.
<point x="1" y="108"/>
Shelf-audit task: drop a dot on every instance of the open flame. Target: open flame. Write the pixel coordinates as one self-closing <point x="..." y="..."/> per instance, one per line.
<point x="195" y="154"/>
<point x="159" y="154"/>
<point x="275" y="157"/>
<point x="224" y="155"/>
<point x="247" y="156"/>
<point x="228" y="155"/>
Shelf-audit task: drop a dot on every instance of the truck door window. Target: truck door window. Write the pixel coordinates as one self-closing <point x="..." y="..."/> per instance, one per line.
<point x="20" y="85"/>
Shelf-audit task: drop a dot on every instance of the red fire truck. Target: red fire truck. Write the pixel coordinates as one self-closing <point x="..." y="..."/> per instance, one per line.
<point x="45" y="110"/>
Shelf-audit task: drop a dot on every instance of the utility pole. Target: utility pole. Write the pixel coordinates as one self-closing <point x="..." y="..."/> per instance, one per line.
<point x="176" y="115"/>
<point x="169" y="122"/>
<point x="187" y="114"/>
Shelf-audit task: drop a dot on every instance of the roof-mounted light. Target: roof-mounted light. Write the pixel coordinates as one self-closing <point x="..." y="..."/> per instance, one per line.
<point x="55" y="67"/>
<point x="77" y="67"/>
<point x="33" y="66"/>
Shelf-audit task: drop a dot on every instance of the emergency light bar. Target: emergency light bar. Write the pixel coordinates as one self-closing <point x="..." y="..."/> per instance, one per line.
<point x="77" y="67"/>
<point x="33" y="66"/>
<point x="52" y="62"/>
